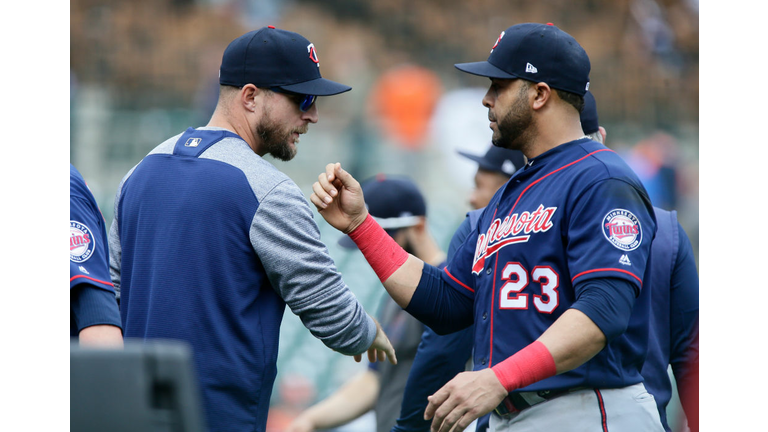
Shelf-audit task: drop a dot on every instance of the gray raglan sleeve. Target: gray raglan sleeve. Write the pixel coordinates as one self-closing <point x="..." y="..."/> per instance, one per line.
<point x="115" y="251"/>
<point x="287" y="240"/>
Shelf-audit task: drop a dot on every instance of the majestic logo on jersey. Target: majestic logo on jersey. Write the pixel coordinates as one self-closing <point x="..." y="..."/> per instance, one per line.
<point x="81" y="242"/>
<point x="497" y="41"/>
<point x="622" y="229"/>
<point x="625" y="260"/>
<point x="507" y="232"/>
<point x="313" y="54"/>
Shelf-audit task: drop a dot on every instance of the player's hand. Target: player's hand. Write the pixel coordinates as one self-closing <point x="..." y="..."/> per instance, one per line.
<point x="339" y="199"/>
<point x="381" y="349"/>
<point x="468" y="396"/>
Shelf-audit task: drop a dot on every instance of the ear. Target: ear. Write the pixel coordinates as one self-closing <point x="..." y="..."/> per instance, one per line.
<point x="401" y="237"/>
<point x="421" y="225"/>
<point x="248" y="95"/>
<point x="603" y="133"/>
<point x="542" y="94"/>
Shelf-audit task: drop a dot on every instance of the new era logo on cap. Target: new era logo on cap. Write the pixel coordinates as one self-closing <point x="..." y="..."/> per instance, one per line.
<point x="530" y="68"/>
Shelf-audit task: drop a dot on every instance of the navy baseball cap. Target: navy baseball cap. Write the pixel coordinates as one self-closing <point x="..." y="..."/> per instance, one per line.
<point x="538" y="53"/>
<point x="501" y="160"/>
<point x="393" y="201"/>
<point x="588" y="116"/>
<point x="271" y="57"/>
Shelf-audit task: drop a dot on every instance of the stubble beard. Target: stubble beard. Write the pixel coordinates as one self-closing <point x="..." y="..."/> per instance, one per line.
<point x="515" y="128"/>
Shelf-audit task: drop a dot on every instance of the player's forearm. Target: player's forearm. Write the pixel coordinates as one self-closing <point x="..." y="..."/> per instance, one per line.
<point x="403" y="275"/>
<point x="567" y="344"/>
<point x="352" y="400"/>
<point x="403" y="282"/>
<point x="101" y="336"/>
<point x="572" y="340"/>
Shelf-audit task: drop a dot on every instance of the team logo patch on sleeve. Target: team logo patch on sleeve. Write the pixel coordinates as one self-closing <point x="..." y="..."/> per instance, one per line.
<point x="622" y="229"/>
<point x="81" y="242"/>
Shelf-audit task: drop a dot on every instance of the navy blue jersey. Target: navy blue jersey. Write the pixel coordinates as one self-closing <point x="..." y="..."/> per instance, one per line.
<point x="88" y="259"/>
<point x="208" y="245"/>
<point x="575" y="213"/>
<point x="674" y="287"/>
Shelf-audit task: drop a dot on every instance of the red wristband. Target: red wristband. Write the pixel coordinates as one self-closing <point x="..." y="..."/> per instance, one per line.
<point x="382" y="252"/>
<point x="529" y="365"/>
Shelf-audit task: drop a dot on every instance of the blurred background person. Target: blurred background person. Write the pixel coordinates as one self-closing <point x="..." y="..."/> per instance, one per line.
<point x="674" y="342"/>
<point x="399" y="206"/>
<point x="440" y="358"/>
<point x="494" y="168"/>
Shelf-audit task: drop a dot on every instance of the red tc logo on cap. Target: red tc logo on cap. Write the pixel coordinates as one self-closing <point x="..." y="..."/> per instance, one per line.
<point x="497" y="41"/>
<point x="313" y="54"/>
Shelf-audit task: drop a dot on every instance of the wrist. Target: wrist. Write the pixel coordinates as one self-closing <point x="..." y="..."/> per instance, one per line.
<point x="380" y="250"/>
<point x="358" y="221"/>
<point x="529" y="365"/>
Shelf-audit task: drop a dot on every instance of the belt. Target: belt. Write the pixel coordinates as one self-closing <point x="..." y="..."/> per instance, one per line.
<point x="518" y="401"/>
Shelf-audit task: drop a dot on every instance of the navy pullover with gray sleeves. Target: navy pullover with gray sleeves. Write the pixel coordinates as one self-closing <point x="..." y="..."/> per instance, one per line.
<point x="208" y="245"/>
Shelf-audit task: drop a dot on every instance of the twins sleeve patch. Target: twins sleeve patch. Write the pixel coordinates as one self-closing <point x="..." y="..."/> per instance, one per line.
<point x="81" y="242"/>
<point x="622" y="229"/>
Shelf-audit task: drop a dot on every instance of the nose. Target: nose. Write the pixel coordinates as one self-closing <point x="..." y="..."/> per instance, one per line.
<point x="473" y="199"/>
<point x="311" y="115"/>
<point x="488" y="99"/>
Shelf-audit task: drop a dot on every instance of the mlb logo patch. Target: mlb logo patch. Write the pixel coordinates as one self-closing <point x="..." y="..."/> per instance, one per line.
<point x="622" y="229"/>
<point x="193" y="142"/>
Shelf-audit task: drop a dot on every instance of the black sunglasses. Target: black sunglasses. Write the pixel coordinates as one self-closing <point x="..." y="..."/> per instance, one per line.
<point x="305" y="102"/>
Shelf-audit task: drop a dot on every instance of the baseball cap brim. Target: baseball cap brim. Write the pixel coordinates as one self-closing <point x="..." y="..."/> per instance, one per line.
<point x="317" y="87"/>
<point x="479" y="159"/>
<point x="485" y="69"/>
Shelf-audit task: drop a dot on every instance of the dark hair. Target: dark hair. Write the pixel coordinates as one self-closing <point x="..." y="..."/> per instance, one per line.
<point x="572" y="98"/>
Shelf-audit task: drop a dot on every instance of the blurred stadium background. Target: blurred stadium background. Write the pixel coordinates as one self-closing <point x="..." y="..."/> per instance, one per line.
<point x="144" y="70"/>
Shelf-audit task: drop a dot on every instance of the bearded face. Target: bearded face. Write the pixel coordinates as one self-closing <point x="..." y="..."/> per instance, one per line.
<point x="278" y="140"/>
<point x="514" y="126"/>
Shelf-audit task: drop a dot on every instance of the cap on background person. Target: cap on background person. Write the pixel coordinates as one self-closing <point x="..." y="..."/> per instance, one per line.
<point x="393" y="201"/>
<point x="538" y="53"/>
<point x="588" y="116"/>
<point x="497" y="159"/>
<point x="494" y="169"/>
<point x="271" y="57"/>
